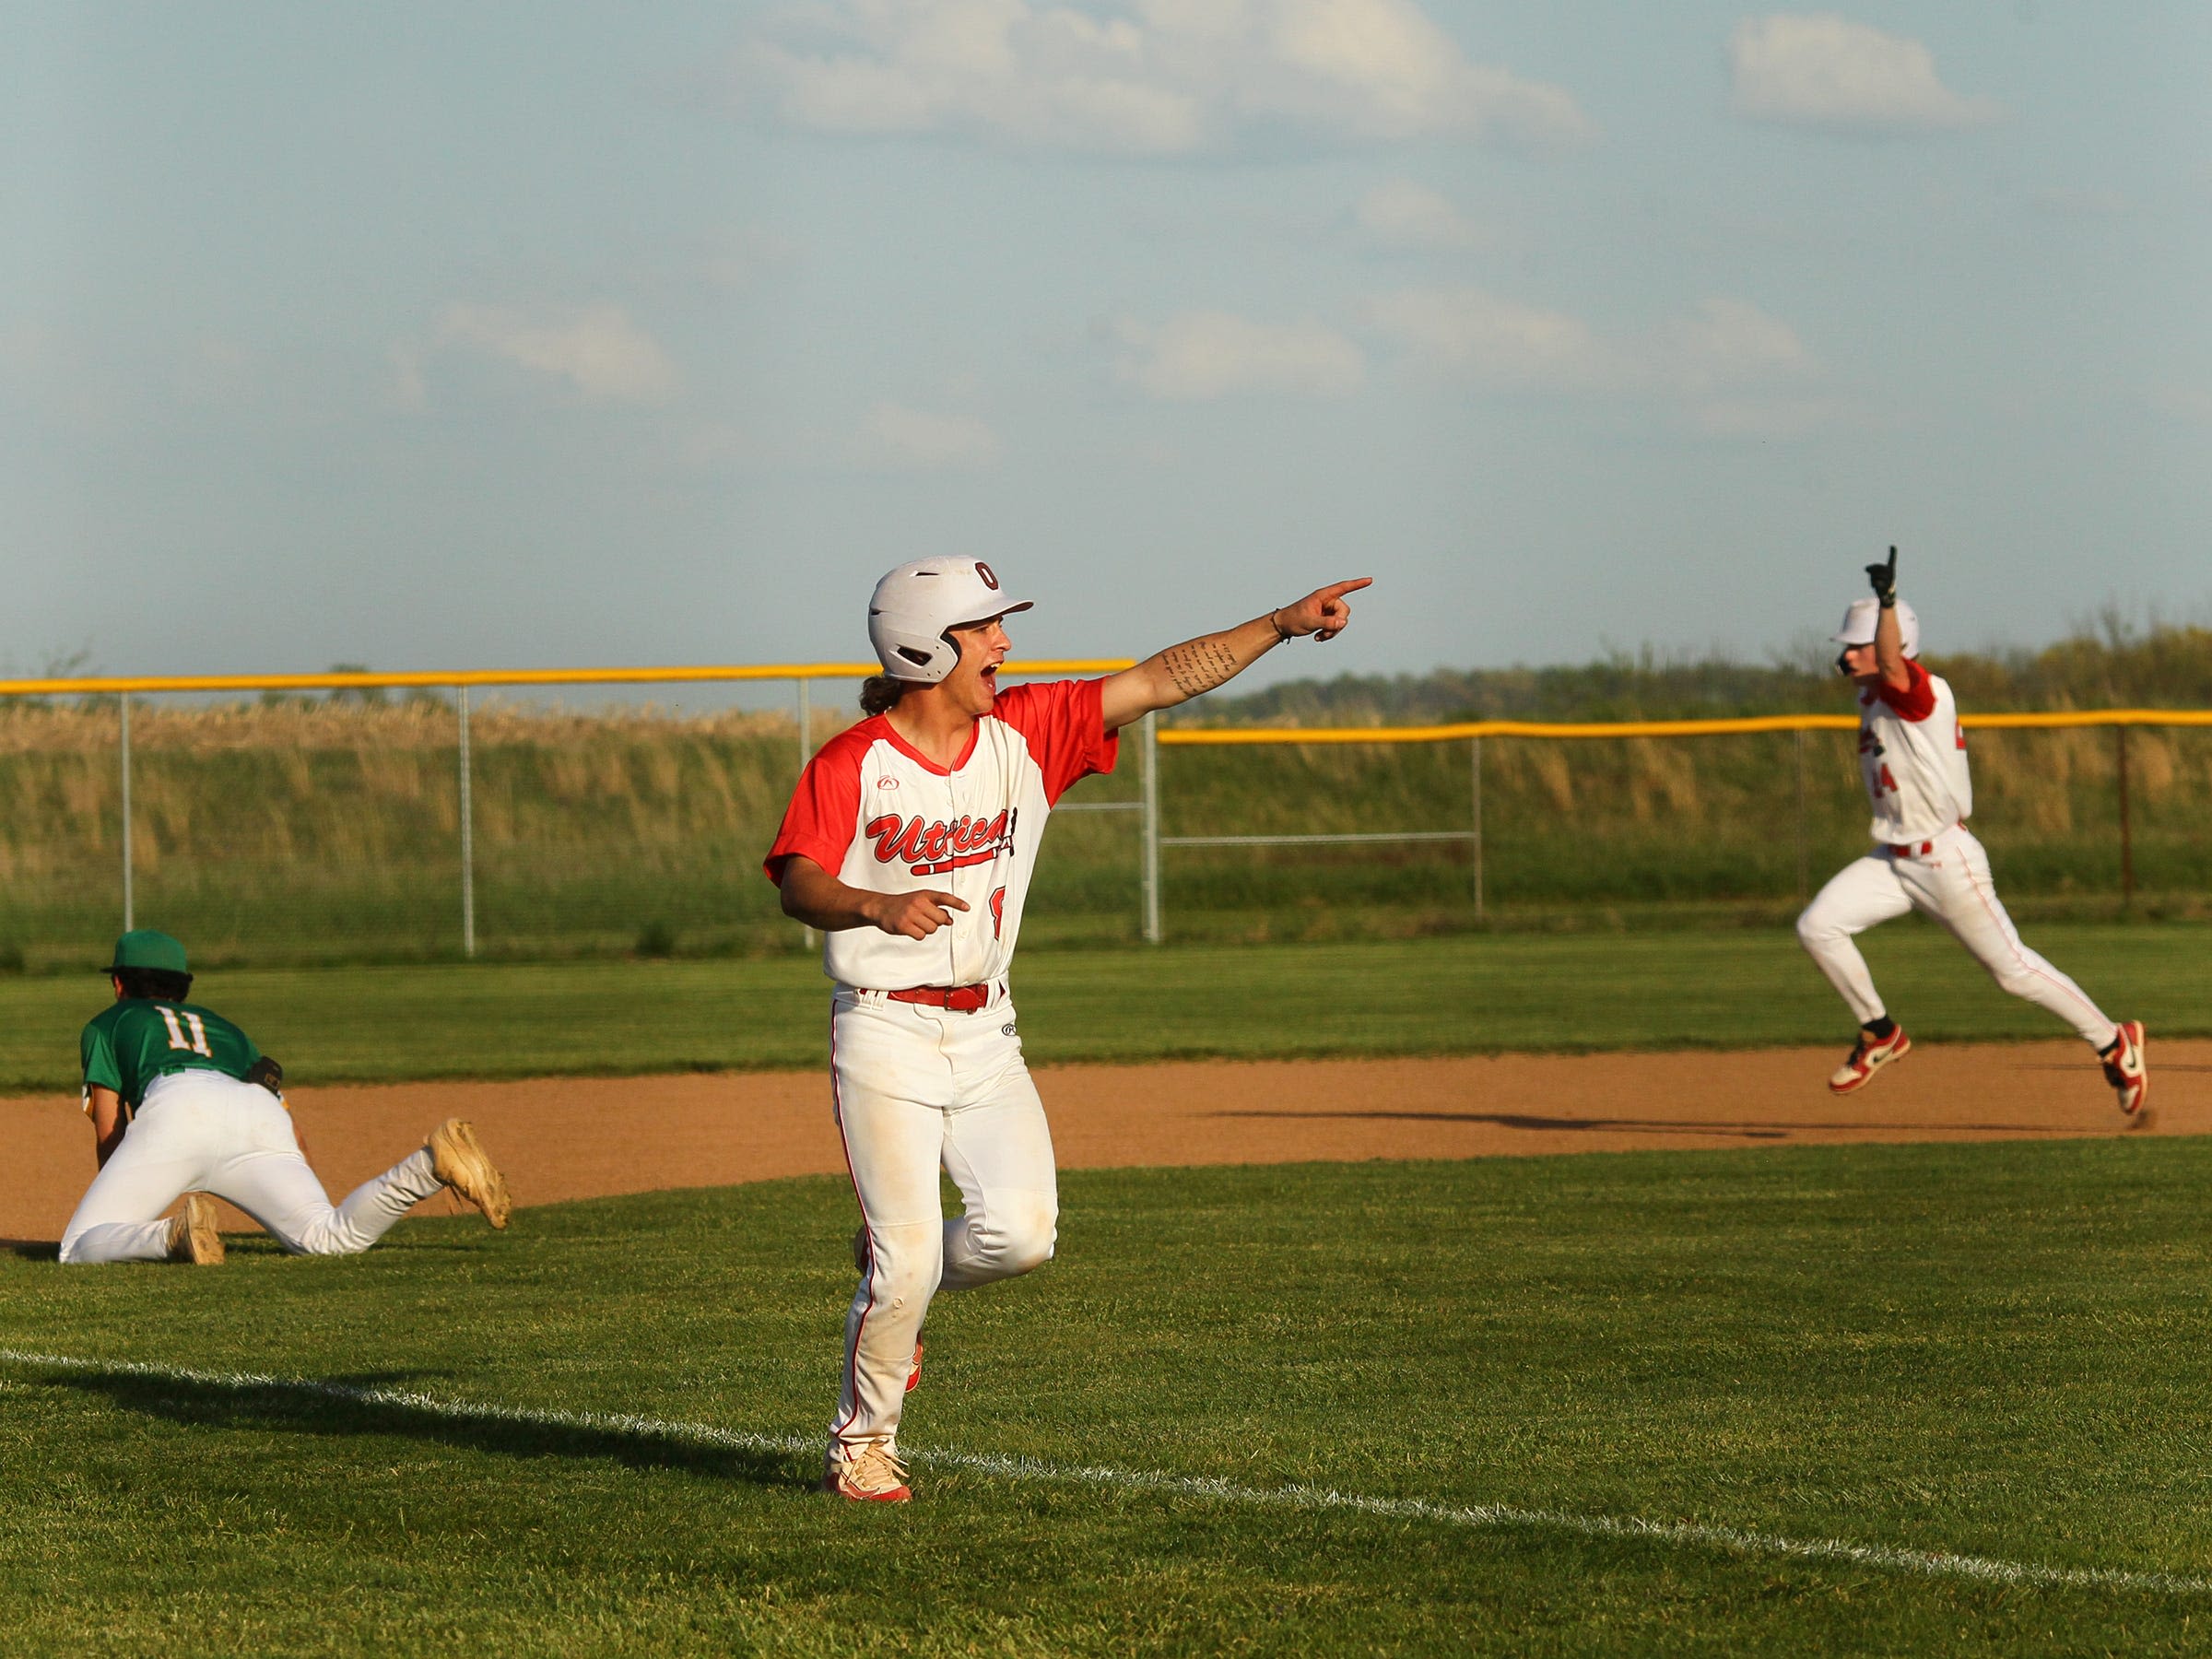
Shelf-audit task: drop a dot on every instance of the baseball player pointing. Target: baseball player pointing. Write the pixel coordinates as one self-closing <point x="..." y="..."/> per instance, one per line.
<point x="911" y="841"/>
<point x="1912" y="755"/>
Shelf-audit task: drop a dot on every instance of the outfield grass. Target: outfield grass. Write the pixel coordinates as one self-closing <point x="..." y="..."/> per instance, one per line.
<point x="1995" y="1350"/>
<point x="1447" y="995"/>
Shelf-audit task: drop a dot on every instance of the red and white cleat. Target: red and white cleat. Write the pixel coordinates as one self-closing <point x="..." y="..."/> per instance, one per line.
<point x="870" y="1474"/>
<point x="913" y="1378"/>
<point x="1868" y="1055"/>
<point x="2124" y="1069"/>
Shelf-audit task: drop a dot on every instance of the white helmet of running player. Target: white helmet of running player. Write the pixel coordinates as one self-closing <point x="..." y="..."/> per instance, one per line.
<point x="1859" y="620"/>
<point x="915" y="607"/>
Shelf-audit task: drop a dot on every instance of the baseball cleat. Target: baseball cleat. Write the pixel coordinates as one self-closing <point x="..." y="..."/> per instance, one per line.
<point x="459" y="1161"/>
<point x="191" y="1235"/>
<point x="913" y="1378"/>
<point x="2124" y="1069"/>
<point x="1868" y="1055"/>
<point x="869" y="1474"/>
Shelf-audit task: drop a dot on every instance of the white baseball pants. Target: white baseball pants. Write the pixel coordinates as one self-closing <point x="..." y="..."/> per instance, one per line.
<point x="1951" y="883"/>
<point x="916" y="1090"/>
<point x="201" y="1131"/>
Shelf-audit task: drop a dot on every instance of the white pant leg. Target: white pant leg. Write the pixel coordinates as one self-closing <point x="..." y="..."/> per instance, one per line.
<point x="1863" y="894"/>
<point x="890" y="1086"/>
<point x="998" y="1150"/>
<point x="166" y="1151"/>
<point x="1952" y="884"/>
<point x="264" y="1174"/>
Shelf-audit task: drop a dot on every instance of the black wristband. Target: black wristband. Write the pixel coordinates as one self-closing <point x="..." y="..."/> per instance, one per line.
<point x="1283" y="636"/>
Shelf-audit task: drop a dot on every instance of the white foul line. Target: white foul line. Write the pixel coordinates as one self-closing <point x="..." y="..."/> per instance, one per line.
<point x="1495" y="1516"/>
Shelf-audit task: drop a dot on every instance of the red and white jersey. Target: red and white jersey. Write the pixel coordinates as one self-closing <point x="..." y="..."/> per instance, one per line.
<point x="1912" y="755"/>
<point x="879" y="815"/>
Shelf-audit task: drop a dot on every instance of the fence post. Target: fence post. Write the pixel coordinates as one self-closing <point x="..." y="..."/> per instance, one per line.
<point x="2127" y="840"/>
<point x="1803" y="873"/>
<point x="1475" y="745"/>
<point x="469" y="836"/>
<point x="1149" y="748"/>
<point x="123" y="704"/>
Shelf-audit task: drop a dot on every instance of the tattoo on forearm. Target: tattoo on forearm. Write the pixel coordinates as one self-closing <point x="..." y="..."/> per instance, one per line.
<point x="1199" y="665"/>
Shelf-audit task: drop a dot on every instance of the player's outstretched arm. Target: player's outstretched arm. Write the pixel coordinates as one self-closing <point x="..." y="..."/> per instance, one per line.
<point x="1888" y="632"/>
<point x="814" y="896"/>
<point x="1196" y="666"/>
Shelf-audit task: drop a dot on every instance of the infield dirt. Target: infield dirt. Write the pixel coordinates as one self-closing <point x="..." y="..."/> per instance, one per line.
<point x="587" y="1138"/>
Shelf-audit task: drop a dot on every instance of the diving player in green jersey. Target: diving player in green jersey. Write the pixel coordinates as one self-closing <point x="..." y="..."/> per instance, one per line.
<point x="182" y="1103"/>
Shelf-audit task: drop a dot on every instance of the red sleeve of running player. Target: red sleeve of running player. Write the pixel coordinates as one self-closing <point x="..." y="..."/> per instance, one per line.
<point x="1917" y="701"/>
<point x="824" y="814"/>
<point x="1064" y="722"/>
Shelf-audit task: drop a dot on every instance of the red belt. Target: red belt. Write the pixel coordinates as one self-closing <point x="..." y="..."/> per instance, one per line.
<point x="956" y="999"/>
<point x="1910" y="848"/>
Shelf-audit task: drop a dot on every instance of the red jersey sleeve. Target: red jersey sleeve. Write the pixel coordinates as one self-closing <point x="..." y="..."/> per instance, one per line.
<point x="1917" y="701"/>
<point x="824" y="814"/>
<point x="1064" y="724"/>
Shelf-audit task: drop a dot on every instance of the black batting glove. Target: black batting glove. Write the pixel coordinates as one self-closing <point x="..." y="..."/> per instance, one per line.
<point x="1884" y="577"/>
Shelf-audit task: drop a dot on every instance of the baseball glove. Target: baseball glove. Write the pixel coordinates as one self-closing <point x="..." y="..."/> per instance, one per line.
<point x="268" y="1073"/>
<point x="1884" y="580"/>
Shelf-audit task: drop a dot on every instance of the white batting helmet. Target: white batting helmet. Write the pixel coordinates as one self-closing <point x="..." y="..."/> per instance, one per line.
<point x="916" y="606"/>
<point x="1859" y="620"/>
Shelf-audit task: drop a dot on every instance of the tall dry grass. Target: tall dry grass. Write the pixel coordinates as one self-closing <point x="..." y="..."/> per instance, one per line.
<point x="332" y="828"/>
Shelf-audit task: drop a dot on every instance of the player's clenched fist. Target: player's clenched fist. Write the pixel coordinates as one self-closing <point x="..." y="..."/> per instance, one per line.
<point x="916" y="915"/>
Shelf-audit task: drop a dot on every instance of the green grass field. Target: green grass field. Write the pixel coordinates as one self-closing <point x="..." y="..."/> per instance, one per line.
<point x="1894" y="1356"/>
<point x="1444" y="995"/>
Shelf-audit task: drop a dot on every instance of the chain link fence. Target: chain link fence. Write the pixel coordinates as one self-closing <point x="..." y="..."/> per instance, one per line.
<point x="358" y="818"/>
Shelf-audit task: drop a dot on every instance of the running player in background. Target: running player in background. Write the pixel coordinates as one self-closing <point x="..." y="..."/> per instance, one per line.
<point x="910" y="841"/>
<point x="182" y="1103"/>
<point x="1912" y="755"/>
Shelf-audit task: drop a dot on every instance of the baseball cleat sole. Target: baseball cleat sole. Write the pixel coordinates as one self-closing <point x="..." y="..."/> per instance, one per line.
<point x="191" y="1233"/>
<point x="458" y="1159"/>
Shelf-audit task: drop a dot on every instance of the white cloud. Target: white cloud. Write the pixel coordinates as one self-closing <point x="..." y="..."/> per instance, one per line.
<point x="1150" y="78"/>
<point x="1727" y="343"/>
<point x="901" y="438"/>
<point x="1473" y="333"/>
<point x="1199" y="357"/>
<point x="1821" y="70"/>
<point x="1725" y="369"/>
<point x="1402" y="213"/>
<point x="596" y="348"/>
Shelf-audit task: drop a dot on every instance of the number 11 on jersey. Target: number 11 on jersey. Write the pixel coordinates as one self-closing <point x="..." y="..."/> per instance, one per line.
<point x="198" y="1041"/>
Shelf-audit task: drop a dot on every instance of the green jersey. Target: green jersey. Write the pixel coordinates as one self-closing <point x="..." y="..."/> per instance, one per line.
<point x="138" y="1040"/>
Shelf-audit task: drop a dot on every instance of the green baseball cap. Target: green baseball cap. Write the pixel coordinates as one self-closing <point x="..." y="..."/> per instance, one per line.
<point x="142" y="948"/>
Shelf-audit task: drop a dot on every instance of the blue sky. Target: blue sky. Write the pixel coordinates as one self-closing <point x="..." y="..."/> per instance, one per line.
<point x="434" y="337"/>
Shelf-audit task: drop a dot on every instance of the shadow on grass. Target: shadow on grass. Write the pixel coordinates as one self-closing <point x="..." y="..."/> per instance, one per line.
<point x="366" y="1406"/>
<point x="34" y="1250"/>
